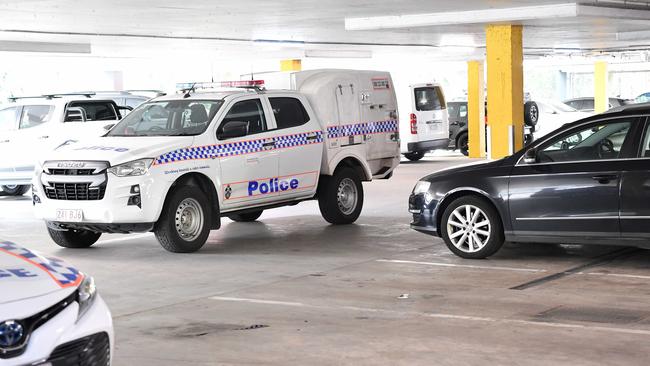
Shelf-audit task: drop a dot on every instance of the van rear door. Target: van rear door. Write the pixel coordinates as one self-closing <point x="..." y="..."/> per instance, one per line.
<point x="430" y="110"/>
<point x="379" y="113"/>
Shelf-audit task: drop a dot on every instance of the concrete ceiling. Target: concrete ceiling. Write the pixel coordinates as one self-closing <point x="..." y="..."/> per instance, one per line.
<point x="288" y="27"/>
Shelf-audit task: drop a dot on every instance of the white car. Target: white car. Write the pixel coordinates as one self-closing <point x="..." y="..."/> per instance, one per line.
<point x="31" y="126"/>
<point x="427" y="125"/>
<point x="178" y="163"/>
<point x="553" y="115"/>
<point x="50" y="312"/>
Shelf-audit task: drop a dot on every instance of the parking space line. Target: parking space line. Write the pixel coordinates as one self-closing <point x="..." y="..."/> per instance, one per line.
<point x="440" y="316"/>
<point x="438" y="264"/>
<point x="622" y="275"/>
<point x="130" y="237"/>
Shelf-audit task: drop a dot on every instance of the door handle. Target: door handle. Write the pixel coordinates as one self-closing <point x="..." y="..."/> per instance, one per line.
<point x="605" y="178"/>
<point x="44" y="137"/>
<point x="252" y="160"/>
<point x="269" y="144"/>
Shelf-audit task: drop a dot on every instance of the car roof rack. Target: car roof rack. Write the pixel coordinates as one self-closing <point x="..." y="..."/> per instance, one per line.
<point x="128" y="92"/>
<point x="187" y="88"/>
<point x="52" y="96"/>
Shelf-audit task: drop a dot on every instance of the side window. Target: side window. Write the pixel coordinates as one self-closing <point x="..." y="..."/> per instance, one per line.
<point x="429" y="99"/>
<point x="95" y="111"/>
<point x="462" y="112"/>
<point x="452" y="110"/>
<point x="8" y="119"/>
<point x="288" y="112"/>
<point x="34" y="115"/>
<point x="645" y="147"/>
<point x="249" y="111"/>
<point x="601" y="140"/>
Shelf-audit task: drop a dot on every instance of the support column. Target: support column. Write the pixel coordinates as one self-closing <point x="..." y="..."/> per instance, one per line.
<point x="601" y="101"/>
<point x="476" y="109"/>
<point x="505" y="89"/>
<point x="290" y="65"/>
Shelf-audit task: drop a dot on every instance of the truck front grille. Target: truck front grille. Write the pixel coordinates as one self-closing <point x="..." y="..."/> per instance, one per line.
<point x="71" y="171"/>
<point x="74" y="191"/>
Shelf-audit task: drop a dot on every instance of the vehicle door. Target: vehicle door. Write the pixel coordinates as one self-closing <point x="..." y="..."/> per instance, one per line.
<point x="8" y="146"/>
<point x="32" y="137"/>
<point x="299" y="142"/>
<point x="457" y="117"/>
<point x="635" y="191"/>
<point x="430" y="109"/>
<point x="248" y="154"/>
<point x="572" y="190"/>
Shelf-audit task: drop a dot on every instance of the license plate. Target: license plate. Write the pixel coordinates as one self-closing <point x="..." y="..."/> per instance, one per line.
<point x="69" y="215"/>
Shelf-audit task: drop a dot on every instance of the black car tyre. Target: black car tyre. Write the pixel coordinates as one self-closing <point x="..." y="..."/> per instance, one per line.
<point x="463" y="144"/>
<point x="340" y="197"/>
<point x="414" y="156"/>
<point x="246" y="217"/>
<point x="472" y="228"/>
<point x="531" y="113"/>
<point x="74" y="238"/>
<point x="185" y="220"/>
<point x="15" y="190"/>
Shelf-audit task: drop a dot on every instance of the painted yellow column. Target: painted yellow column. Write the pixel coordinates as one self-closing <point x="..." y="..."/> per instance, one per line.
<point x="476" y="109"/>
<point x="290" y="65"/>
<point x="505" y="91"/>
<point x="601" y="101"/>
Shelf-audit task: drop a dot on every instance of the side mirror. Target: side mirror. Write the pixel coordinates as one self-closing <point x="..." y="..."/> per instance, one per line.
<point x="233" y="129"/>
<point x="530" y="156"/>
<point x="75" y="114"/>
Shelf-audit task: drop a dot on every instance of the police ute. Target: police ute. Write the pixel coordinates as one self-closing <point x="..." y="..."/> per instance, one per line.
<point x="50" y="313"/>
<point x="178" y="163"/>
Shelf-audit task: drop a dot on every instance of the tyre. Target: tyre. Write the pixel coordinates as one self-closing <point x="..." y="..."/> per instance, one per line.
<point x="472" y="228"/>
<point x="15" y="190"/>
<point x="531" y="113"/>
<point x="246" y="217"/>
<point x="74" y="238"/>
<point x="185" y="220"/>
<point x="414" y="156"/>
<point x="463" y="144"/>
<point x="340" y="197"/>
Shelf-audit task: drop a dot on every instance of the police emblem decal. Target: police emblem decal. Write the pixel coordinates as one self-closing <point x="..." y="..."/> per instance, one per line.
<point x="227" y="192"/>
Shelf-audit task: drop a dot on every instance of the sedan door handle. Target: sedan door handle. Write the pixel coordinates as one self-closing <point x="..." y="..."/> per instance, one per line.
<point x="605" y="178"/>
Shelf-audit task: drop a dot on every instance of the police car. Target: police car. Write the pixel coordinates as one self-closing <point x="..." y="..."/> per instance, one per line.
<point x="178" y="163"/>
<point x="50" y="313"/>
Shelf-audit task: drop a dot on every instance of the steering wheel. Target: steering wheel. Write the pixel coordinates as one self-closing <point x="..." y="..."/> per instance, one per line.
<point x="605" y="148"/>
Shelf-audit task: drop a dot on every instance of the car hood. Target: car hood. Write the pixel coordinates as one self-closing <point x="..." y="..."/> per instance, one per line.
<point x="117" y="150"/>
<point x="26" y="274"/>
<point x="473" y="166"/>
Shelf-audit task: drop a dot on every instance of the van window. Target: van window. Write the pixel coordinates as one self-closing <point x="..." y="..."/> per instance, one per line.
<point x="288" y="112"/>
<point x="429" y="99"/>
<point x="8" y="119"/>
<point x="95" y="111"/>
<point x="250" y="111"/>
<point x="34" y="115"/>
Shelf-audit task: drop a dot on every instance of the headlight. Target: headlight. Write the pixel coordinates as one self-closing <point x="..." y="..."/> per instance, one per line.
<point x="132" y="168"/>
<point x="421" y="187"/>
<point x="86" y="294"/>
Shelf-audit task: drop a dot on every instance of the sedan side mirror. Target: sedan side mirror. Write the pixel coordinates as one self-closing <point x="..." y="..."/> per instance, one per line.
<point x="530" y="156"/>
<point x="233" y="129"/>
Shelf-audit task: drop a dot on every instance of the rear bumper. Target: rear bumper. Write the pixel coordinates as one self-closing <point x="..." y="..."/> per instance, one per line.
<point x="424" y="146"/>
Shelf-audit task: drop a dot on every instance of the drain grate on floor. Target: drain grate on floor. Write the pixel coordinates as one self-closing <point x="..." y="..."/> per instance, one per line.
<point x="591" y="315"/>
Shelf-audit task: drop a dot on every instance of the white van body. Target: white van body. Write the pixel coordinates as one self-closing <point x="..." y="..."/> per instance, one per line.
<point x="318" y="140"/>
<point x="424" y="126"/>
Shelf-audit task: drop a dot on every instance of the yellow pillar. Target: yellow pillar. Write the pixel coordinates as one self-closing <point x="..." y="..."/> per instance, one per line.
<point x="476" y="109"/>
<point x="601" y="102"/>
<point x="505" y="91"/>
<point x="290" y="65"/>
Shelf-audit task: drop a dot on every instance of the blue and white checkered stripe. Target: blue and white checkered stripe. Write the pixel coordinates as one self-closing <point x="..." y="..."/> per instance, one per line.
<point x="63" y="274"/>
<point x="362" y="129"/>
<point x="240" y="148"/>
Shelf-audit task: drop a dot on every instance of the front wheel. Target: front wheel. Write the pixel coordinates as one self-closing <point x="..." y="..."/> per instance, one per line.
<point x="15" y="190"/>
<point x="74" y="238"/>
<point x="184" y="223"/>
<point x="414" y="156"/>
<point x="463" y="144"/>
<point x="472" y="228"/>
<point x="340" y="197"/>
<point x="246" y="217"/>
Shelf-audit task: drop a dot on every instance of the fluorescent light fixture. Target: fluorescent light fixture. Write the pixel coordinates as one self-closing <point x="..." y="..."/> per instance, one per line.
<point x="48" y="47"/>
<point x="633" y="36"/>
<point x="487" y="16"/>
<point x="338" y="54"/>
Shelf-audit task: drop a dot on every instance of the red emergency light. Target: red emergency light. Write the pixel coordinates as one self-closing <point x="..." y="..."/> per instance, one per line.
<point x="241" y="83"/>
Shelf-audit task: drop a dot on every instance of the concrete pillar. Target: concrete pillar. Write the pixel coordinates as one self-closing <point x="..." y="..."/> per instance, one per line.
<point x="290" y="65"/>
<point x="601" y="100"/>
<point x="476" y="109"/>
<point x="505" y="91"/>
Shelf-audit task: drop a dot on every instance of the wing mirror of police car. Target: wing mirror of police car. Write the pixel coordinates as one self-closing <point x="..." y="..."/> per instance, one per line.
<point x="232" y="129"/>
<point x="530" y="156"/>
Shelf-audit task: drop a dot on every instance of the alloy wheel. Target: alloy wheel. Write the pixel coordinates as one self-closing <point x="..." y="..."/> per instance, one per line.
<point x="469" y="228"/>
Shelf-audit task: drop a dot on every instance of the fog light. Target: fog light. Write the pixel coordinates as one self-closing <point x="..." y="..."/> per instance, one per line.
<point x="35" y="199"/>
<point x="135" y="189"/>
<point x="135" y="201"/>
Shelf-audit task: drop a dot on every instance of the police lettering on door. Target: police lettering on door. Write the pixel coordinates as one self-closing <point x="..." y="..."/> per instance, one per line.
<point x="272" y="185"/>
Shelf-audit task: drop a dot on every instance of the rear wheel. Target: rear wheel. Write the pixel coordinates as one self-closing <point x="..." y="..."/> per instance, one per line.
<point x="185" y="221"/>
<point x="74" y="238"/>
<point x="340" y="197"/>
<point x="414" y="156"/>
<point x="246" y="217"/>
<point x="463" y="144"/>
<point x="15" y="190"/>
<point x="472" y="228"/>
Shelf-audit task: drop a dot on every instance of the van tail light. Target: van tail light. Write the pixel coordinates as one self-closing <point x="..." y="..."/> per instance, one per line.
<point x="414" y="124"/>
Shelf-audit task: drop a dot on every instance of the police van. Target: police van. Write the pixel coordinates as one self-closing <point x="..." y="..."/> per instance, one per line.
<point x="177" y="164"/>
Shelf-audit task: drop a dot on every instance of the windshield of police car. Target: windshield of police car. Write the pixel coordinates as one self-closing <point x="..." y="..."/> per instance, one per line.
<point x="168" y="118"/>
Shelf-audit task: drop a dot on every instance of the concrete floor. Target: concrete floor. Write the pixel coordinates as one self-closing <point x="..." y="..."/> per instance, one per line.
<point x="291" y="289"/>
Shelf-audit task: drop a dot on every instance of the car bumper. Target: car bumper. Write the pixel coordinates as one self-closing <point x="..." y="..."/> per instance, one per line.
<point x="16" y="175"/>
<point x="424" y="211"/>
<point x="424" y="146"/>
<point x="56" y="339"/>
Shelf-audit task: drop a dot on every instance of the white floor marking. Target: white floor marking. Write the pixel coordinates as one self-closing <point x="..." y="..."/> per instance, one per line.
<point x="641" y="277"/>
<point x="129" y="237"/>
<point x="462" y="265"/>
<point x="441" y="316"/>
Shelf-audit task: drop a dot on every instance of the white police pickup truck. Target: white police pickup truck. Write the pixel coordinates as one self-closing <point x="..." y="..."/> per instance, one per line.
<point x="177" y="164"/>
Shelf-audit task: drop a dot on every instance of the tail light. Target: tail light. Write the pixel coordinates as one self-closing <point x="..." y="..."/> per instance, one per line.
<point x="414" y="124"/>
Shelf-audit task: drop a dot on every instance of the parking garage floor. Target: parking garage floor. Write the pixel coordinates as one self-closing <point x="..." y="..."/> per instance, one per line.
<point x="291" y="289"/>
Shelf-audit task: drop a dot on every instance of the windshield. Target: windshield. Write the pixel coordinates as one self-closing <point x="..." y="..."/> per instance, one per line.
<point x="168" y="118"/>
